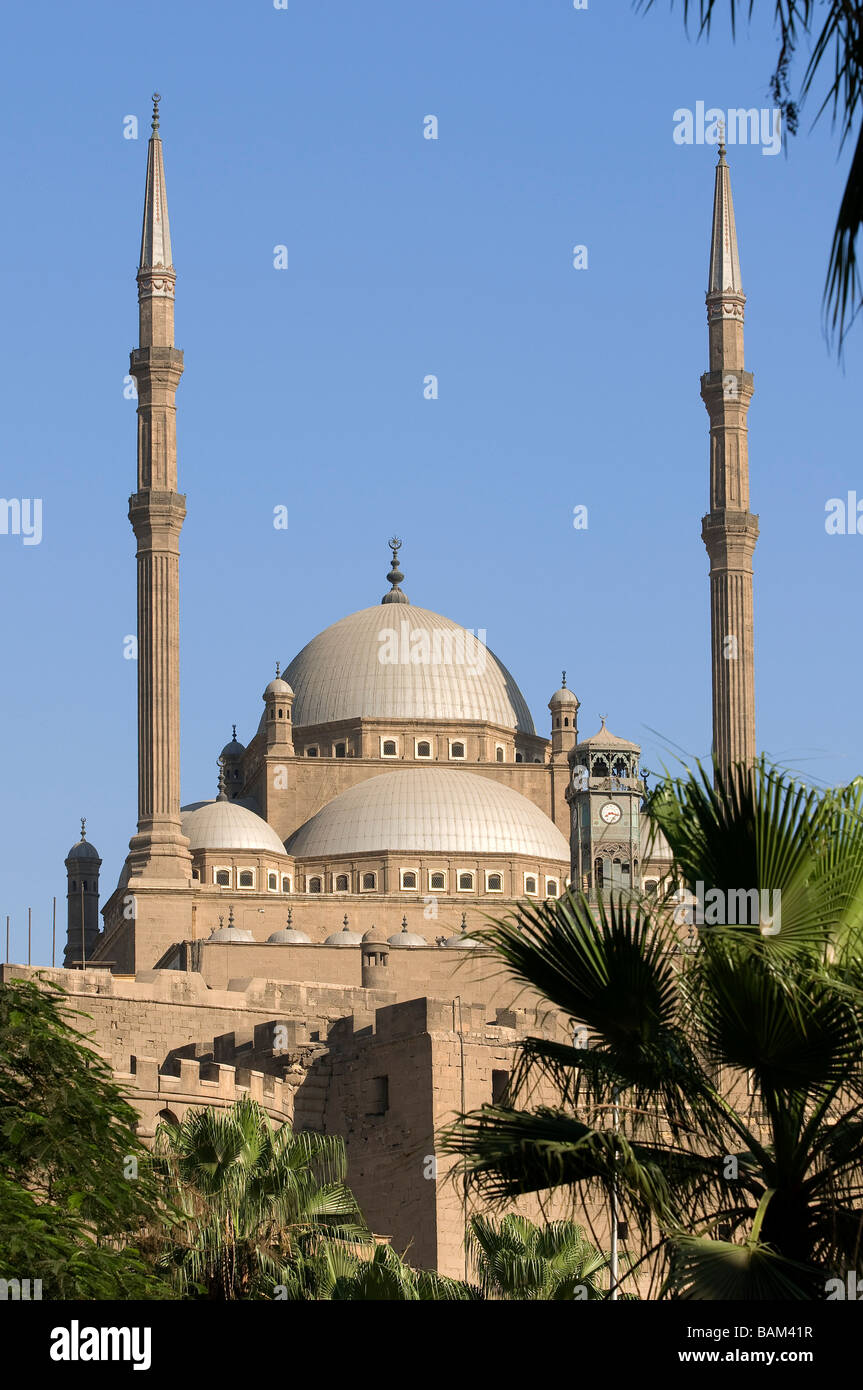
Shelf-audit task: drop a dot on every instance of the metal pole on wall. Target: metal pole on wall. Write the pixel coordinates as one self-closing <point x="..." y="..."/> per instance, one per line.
<point x="29" y="927"/>
<point x="7" y="940"/>
<point x="54" y="932"/>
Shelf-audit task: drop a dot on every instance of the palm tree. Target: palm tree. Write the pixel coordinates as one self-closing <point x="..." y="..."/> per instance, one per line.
<point x="735" y="1066"/>
<point x="331" y="1269"/>
<point x="516" y="1259"/>
<point x="250" y="1196"/>
<point x="839" y="43"/>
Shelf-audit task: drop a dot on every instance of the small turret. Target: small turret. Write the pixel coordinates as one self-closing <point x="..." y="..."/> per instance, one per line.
<point x="278" y="729"/>
<point x="231" y="768"/>
<point x="82" y="902"/>
<point x="375" y="962"/>
<point x="564" y="720"/>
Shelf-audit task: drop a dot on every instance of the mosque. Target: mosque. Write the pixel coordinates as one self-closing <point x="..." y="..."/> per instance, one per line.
<point x="304" y="935"/>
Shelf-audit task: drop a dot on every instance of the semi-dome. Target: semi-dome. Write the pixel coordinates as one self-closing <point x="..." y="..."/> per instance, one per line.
<point x="430" y="810"/>
<point x="362" y="665"/>
<point x="227" y="825"/>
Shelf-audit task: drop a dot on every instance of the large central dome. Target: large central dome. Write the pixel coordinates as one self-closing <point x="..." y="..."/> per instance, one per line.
<point x="430" y="811"/>
<point x="397" y="661"/>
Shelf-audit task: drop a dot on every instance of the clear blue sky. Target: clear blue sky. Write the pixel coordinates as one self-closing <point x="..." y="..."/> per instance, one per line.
<point x="304" y="387"/>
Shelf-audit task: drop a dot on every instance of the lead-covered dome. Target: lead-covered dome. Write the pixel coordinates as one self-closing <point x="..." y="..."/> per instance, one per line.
<point x="227" y="825"/>
<point x="403" y="662"/>
<point x="430" y="810"/>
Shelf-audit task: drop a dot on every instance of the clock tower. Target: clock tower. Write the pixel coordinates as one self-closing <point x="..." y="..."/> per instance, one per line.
<point x="604" y="794"/>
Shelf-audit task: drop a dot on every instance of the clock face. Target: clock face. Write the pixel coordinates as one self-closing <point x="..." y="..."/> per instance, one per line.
<point x="609" y="813"/>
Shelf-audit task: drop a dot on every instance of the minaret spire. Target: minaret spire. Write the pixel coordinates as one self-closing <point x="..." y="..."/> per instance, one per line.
<point x="729" y="530"/>
<point x="159" y="852"/>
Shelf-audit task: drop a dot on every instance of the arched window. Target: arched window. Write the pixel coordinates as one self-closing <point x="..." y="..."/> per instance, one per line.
<point x="456" y="750"/>
<point x="339" y="750"/>
<point x="598" y="874"/>
<point x="314" y="885"/>
<point x="286" y="883"/>
<point x="247" y="878"/>
<point x="74" y="886"/>
<point x="498" y="753"/>
<point x="551" y="887"/>
<point x="223" y="878"/>
<point x="437" y="882"/>
<point x="311" y="752"/>
<point x="465" y="883"/>
<point x="409" y="878"/>
<point x="650" y="886"/>
<point x="388" y="748"/>
<point x="529" y="883"/>
<point x="84" y="886"/>
<point x="281" y="714"/>
<point x="519" y="757"/>
<point x="494" y="883"/>
<point x="342" y="883"/>
<point x="600" y="767"/>
<point x="369" y="881"/>
<point x="566" y="722"/>
<point x="273" y="882"/>
<point x="423" y="749"/>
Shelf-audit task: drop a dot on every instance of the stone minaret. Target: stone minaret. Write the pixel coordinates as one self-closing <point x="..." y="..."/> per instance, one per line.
<point x="729" y="530"/>
<point x="159" y="853"/>
<point x="82" y="902"/>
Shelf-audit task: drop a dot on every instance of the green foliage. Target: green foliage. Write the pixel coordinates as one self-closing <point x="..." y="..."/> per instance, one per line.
<point x="251" y="1197"/>
<point x="736" y="1068"/>
<point x="68" y="1210"/>
<point x="331" y="1270"/>
<point x="519" y="1260"/>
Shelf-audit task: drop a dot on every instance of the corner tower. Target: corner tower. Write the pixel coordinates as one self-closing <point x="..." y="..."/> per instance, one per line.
<point x="159" y="853"/>
<point x="729" y="530"/>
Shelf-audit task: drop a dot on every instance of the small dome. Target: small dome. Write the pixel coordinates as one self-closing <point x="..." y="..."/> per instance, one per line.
<point x="563" y="698"/>
<point x="460" y="939"/>
<point x="228" y="933"/>
<point x="375" y="934"/>
<point x="289" y="936"/>
<point x="603" y="738"/>
<point x="405" y="937"/>
<point x="234" y="749"/>
<point x="278" y="687"/>
<point x="345" y="937"/>
<point x="228" y="825"/>
<point x="83" y="850"/>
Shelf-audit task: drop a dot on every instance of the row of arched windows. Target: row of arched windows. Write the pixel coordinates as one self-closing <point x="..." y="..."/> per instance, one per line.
<point x="409" y="881"/>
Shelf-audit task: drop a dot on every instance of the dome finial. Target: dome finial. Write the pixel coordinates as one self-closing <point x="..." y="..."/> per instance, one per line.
<point x="395" y="575"/>
<point x="278" y="670"/>
<point x="345" y="921"/>
<point x="230" y="917"/>
<point x="156" y="99"/>
<point x="83" y="829"/>
<point x="234" y="730"/>
<point x="721" y="142"/>
<point x="563" y="682"/>
<point x="603" y="718"/>
<point x="290" y="917"/>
